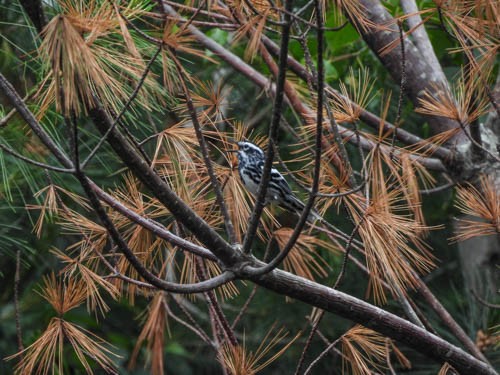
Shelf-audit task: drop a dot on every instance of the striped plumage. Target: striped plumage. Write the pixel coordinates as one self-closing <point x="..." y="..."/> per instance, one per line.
<point x="251" y="165"/>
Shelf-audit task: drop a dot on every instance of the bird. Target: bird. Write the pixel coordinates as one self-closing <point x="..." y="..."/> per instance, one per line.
<point x="251" y="161"/>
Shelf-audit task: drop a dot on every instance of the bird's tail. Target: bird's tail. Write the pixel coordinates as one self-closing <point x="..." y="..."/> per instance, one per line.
<point x="295" y="205"/>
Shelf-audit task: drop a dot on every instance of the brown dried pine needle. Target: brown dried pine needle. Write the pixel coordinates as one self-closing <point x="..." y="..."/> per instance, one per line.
<point x="239" y="361"/>
<point x="483" y="204"/>
<point x="357" y="88"/>
<point x="466" y="102"/>
<point x="153" y="333"/>
<point x="391" y="236"/>
<point x="47" y="353"/>
<point x="89" y="281"/>
<point x="304" y="260"/>
<point x="364" y="350"/>
<point x="82" y="68"/>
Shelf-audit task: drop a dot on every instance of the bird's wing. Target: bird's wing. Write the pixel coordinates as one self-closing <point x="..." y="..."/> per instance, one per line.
<point x="278" y="178"/>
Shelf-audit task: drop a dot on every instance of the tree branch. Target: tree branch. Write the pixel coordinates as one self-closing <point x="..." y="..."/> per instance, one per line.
<point x="28" y="116"/>
<point x="421" y="38"/>
<point x="420" y="75"/>
<point x="34" y="162"/>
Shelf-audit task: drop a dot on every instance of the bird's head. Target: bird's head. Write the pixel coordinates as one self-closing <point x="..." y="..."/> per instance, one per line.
<point x="248" y="151"/>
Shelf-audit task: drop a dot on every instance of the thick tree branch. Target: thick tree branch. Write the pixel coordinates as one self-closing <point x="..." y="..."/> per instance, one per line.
<point x="421" y="38"/>
<point x="420" y="75"/>
<point x="372" y="317"/>
<point x="448" y="320"/>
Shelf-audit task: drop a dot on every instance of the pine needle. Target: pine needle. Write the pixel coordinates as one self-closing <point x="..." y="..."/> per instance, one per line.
<point x="364" y="350"/>
<point x="239" y="361"/>
<point x="303" y="259"/>
<point x="153" y="332"/>
<point x="483" y="204"/>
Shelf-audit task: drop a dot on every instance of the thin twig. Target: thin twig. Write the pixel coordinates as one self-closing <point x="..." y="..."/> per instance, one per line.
<point x="295" y="15"/>
<point x="273" y="130"/>
<point x="484" y="302"/>
<point x="443" y="24"/>
<point x="214" y="305"/>
<point x="192" y="9"/>
<point x="333" y="124"/>
<point x="4" y="121"/>
<point x="245" y="306"/>
<point x="193" y="16"/>
<point x="204" y="152"/>
<point x="388" y="356"/>
<point x="9" y="91"/>
<point x="34" y="162"/>
<point x="437" y="189"/>
<point x="315" y="326"/>
<point x="346" y="253"/>
<point x="124" y="109"/>
<point x="199" y="332"/>
<point x="312" y="333"/>
<point x="402" y="84"/>
<point x="180" y="303"/>
<point x="323" y="353"/>
<point x="17" y="279"/>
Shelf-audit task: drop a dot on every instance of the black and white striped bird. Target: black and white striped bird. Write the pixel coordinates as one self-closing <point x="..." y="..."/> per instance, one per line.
<point x="251" y="166"/>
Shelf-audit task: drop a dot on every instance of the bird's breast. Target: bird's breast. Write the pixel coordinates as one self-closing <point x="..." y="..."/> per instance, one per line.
<point x="250" y="179"/>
